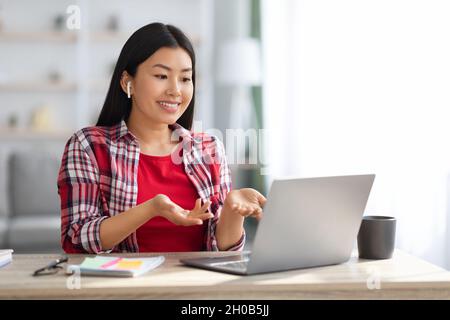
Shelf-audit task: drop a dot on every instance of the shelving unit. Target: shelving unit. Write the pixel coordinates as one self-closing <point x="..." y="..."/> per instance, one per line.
<point x="83" y="58"/>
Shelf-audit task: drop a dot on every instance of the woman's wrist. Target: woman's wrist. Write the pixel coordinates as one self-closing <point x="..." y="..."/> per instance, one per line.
<point x="229" y="227"/>
<point x="229" y="212"/>
<point x="149" y="207"/>
<point x="227" y="203"/>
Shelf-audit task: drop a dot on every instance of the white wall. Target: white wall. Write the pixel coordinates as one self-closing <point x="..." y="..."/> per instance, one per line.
<point x="358" y="86"/>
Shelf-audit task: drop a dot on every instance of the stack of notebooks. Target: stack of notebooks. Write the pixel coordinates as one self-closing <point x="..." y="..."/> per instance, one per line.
<point x="5" y="257"/>
<point x="115" y="266"/>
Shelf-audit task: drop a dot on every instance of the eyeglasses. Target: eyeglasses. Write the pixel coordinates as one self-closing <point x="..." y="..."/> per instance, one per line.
<point x="52" y="268"/>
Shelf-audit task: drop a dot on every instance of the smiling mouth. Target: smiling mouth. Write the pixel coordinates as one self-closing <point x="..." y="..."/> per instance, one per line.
<point x="169" y="106"/>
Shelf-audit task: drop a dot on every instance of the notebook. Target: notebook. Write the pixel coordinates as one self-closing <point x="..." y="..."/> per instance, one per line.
<point x="115" y="266"/>
<point x="5" y="256"/>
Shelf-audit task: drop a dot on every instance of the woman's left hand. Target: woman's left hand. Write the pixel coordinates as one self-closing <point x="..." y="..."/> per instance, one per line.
<point x="246" y="202"/>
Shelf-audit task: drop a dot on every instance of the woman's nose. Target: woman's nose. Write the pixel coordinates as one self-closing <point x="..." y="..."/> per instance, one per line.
<point x="174" y="89"/>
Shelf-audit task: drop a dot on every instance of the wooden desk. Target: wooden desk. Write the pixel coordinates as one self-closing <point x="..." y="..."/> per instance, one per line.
<point x="403" y="277"/>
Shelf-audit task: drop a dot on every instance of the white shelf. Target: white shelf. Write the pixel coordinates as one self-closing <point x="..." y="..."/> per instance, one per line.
<point x="38" y="86"/>
<point x="31" y="134"/>
<point x="39" y="36"/>
<point x="69" y="36"/>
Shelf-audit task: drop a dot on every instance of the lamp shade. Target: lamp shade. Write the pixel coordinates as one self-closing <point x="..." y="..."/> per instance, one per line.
<point x="239" y="63"/>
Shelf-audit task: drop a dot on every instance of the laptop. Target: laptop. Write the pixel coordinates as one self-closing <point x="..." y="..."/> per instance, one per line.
<point x="307" y="222"/>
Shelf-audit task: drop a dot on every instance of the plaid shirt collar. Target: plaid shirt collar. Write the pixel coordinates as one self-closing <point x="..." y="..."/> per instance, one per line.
<point x="120" y="131"/>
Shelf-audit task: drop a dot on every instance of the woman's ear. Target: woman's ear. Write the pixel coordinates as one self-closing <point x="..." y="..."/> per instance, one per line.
<point x="124" y="82"/>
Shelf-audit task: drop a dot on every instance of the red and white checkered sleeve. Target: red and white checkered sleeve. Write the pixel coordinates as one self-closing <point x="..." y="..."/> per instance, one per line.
<point x="79" y="190"/>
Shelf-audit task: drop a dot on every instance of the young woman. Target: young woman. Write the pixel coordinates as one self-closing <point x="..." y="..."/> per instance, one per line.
<point x="141" y="180"/>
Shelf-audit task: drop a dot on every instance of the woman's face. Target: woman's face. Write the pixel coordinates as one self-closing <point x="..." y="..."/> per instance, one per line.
<point x="162" y="87"/>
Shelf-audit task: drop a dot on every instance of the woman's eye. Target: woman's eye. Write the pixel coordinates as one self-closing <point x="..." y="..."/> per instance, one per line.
<point x="163" y="76"/>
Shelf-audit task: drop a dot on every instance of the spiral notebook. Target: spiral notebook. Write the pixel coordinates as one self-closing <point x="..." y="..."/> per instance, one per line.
<point x="115" y="266"/>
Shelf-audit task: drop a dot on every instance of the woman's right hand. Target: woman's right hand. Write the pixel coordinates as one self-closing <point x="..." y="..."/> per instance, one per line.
<point x="162" y="206"/>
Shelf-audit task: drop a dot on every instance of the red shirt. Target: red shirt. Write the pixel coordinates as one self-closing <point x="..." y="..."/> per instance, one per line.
<point x="98" y="179"/>
<point x="160" y="175"/>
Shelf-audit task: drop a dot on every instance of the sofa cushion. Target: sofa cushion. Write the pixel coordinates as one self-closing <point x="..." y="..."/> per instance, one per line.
<point x="3" y="229"/>
<point x="34" y="234"/>
<point x="33" y="188"/>
<point x="4" y="183"/>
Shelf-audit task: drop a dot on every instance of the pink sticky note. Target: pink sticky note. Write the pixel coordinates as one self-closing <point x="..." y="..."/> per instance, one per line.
<point x="110" y="263"/>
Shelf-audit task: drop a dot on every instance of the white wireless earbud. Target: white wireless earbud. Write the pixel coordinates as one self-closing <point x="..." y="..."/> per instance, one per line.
<point x="128" y="89"/>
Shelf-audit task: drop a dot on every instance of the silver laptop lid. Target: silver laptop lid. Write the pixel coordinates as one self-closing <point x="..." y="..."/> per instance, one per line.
<point x="309" y="222"/>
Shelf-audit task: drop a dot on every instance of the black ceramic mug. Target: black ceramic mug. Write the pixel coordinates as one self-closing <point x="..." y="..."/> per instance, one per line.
<point x="376" y="237"/>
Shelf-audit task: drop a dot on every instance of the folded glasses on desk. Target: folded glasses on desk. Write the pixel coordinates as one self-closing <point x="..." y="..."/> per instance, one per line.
<point x="52" y="268"/>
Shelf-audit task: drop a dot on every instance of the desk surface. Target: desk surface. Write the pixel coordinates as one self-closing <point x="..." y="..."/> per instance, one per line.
<point x="402" y="277"/>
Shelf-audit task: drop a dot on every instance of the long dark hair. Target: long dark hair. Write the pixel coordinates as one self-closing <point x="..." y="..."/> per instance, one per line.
<point x="141" y="45"/>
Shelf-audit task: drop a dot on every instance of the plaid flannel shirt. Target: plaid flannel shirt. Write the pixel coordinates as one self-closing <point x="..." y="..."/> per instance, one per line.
<point x="98" y="179"/>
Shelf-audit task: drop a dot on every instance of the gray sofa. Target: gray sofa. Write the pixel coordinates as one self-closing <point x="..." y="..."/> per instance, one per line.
<point x="29" y="202"/>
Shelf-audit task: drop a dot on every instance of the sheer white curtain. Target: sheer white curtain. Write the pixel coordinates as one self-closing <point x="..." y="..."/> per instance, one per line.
<point x="364" y="87"/>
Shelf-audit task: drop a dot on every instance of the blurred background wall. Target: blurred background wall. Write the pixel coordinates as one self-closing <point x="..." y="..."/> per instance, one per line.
<point x="53" y="81"/>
